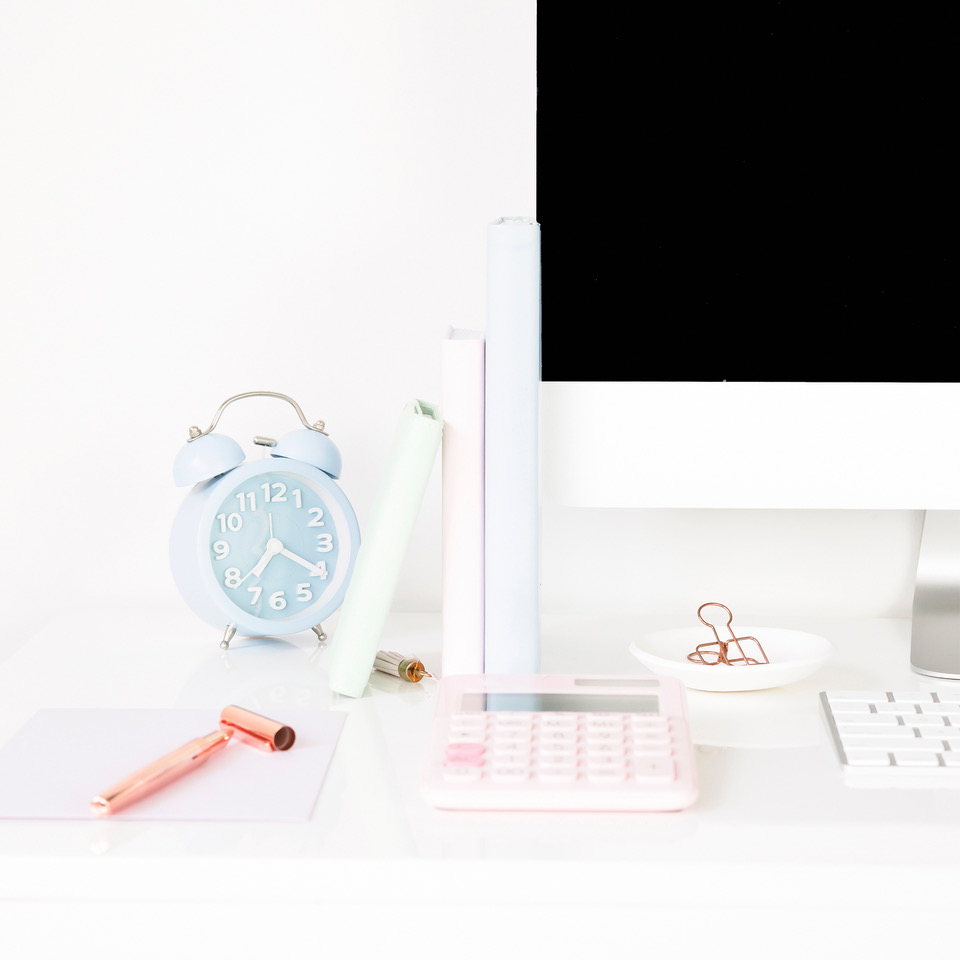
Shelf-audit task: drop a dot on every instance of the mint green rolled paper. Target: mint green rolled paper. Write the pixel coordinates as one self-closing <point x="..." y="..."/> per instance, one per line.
<point x="383" y="550"/>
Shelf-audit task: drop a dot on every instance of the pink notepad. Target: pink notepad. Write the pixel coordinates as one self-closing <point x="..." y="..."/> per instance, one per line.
<point x="52" y="767"/>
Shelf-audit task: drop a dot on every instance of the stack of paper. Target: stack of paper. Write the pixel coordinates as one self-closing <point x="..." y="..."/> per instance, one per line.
<point x="491" y="497"/>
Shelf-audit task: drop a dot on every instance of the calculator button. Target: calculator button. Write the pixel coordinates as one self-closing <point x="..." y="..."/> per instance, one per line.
<point x="511" y="773"/>
<point x="465" y="749"/>
<point x="467" y="736"/>
<point x="661" y="748"/>
<point x="559" y="721"/>
<point x="562" y="772"/>
<point x="607" y="773"/>
<point x="562" y="740"/>
<point x="558" y="754"/>
<point x="462" y="774"/>
<point x="512" y="739"/>
<point x="655" y="722"/>
<point x="603" y="736"/>
<point x="607" y="753"/>
<point x="458" y="757"/>
<point x="654" y="769"/>
<point x="513" y="720"/>
<point x="462" y="721"/>
<point x="645" y="740"/>
<point x="604" y="722"/>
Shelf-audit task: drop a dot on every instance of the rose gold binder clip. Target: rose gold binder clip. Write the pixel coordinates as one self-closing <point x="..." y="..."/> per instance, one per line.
<point x="718" y="651"/>
<point x="245" y="725"/>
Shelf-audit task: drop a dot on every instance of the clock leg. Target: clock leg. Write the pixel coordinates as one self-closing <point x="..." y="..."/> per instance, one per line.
<point x="318" y="630"/>
<point x="228" y="635"/>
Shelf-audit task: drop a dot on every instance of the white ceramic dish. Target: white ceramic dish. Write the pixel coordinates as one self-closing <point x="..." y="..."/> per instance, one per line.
<point x="793" y="655"/>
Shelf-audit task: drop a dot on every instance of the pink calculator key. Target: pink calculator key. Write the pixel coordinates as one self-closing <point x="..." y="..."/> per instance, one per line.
<point x="464" y="755"/>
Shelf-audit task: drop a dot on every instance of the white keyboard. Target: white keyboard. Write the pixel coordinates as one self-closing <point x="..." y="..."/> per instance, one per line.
<point x="896" y="738"/>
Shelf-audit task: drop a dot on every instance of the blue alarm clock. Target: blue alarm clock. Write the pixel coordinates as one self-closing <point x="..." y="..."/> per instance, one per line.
<point x="265" y="547"/>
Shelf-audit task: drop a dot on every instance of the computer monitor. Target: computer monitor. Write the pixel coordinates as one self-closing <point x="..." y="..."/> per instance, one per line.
<point x="755" y="194"/>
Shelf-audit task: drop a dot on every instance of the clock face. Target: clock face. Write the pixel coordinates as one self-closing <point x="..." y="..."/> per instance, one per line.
<point x="279" y="546"/>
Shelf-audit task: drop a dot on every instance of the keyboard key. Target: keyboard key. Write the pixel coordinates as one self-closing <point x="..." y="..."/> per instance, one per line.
<point x="903" y="739"/>
<point x="893" y="728"/>
<point x="868" y="758"/>
<point x="916" y="758"/>
<point x="941" y="709"/>
<point x="913" y="696"/>
<point x="850" y="708"/>
<point x="925" y="720"/>
<point x="856" y="696"/>
<point x="887" y="706"/>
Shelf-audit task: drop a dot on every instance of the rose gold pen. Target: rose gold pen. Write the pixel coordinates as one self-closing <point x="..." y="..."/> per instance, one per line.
<point x="249" y="727"/>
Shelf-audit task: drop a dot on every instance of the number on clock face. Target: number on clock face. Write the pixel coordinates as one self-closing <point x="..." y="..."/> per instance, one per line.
<point x="272" y="547"/>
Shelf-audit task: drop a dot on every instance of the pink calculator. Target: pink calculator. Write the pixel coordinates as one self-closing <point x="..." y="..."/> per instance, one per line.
<point x="546" y="742"/>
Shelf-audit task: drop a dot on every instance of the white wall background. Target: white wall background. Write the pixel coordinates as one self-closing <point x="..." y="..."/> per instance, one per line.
<point x="203" y="198"/>
<point x="206" y="197"/>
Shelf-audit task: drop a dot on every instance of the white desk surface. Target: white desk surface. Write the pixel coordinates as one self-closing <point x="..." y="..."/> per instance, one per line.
<point x="776" y="846"/>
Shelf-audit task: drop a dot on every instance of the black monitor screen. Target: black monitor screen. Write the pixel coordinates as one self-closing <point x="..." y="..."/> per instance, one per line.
<point x="746" y="192"/>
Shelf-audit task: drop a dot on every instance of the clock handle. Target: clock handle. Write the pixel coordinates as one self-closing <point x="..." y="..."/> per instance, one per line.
<point x="196" y="432"/>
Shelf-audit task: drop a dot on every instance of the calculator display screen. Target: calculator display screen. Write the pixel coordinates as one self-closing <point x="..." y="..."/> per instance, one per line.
<point x="572" y="702"/>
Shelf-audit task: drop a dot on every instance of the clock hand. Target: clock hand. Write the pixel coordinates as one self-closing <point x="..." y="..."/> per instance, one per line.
<point x="274" y="546"/>
<point x="312" y="567"/>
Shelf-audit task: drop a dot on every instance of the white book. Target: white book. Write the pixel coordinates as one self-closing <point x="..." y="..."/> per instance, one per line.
<point x="511" y="448"/>
<point x="461" y="405"/>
